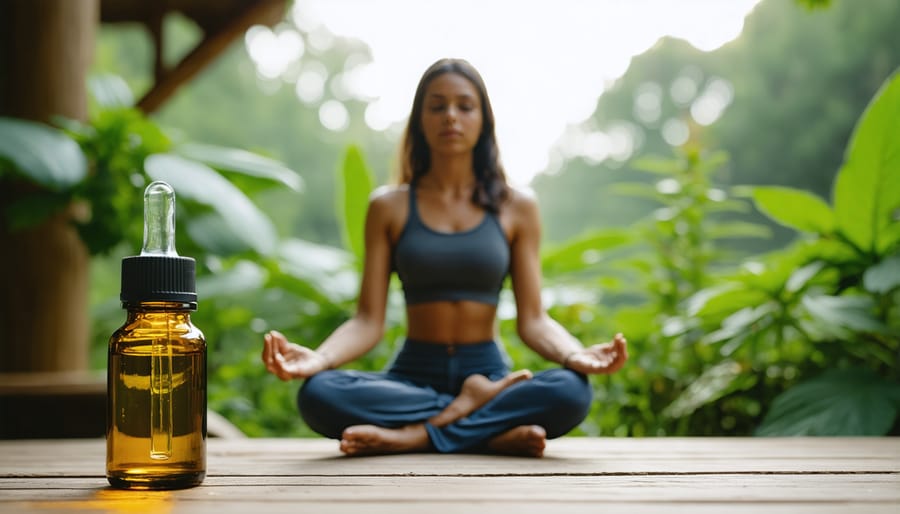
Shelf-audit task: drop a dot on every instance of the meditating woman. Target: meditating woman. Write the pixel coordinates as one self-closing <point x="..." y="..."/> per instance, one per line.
<point x="452" y="230"/>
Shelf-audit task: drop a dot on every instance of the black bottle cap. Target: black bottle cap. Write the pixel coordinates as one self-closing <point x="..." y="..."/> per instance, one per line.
<point x="158" y="278"/>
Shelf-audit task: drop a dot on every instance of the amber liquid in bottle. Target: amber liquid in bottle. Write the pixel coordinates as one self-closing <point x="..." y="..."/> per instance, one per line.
<point x="156" y="424"/>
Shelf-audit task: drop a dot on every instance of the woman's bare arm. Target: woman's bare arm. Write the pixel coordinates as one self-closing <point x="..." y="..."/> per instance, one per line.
<point x="360" y="333"/>
<point x="536" y="328"/>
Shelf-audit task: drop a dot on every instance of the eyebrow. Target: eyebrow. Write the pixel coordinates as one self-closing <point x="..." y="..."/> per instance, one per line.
<point x="443" y="96"/>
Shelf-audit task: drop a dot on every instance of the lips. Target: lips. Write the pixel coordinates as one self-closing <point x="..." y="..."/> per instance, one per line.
<point x="450" y="133"/>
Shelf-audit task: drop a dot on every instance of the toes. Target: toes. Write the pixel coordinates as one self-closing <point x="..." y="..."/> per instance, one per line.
<point x="522" y="374"/>
<point x="514" y="377"/>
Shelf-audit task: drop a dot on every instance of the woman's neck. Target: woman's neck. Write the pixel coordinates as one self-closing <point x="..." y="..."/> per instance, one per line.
<point x="450" y="174"/>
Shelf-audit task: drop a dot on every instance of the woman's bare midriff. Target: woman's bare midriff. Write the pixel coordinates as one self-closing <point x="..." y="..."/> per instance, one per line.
<point x="451" y="322"/>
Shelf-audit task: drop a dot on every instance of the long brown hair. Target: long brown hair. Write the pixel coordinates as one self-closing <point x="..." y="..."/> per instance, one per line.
<point x="491" y="188"/>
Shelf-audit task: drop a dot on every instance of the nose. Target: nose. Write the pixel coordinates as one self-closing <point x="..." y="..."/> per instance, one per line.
<point x="451" y="114"/>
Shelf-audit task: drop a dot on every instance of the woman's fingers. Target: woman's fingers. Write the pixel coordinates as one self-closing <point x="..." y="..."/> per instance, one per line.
<point x="265" y="349"/>
<point x="268" y="352"/>
<point x="272" y="356"/>
<point x="620" y="353"/>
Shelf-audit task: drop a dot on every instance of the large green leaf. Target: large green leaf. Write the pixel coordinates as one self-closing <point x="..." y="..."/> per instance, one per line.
<point x="883" y="276"/>
<point x="198" y="182"/>
<point x="741" y="323"/>
<point x="240" y="279"/>
<point x="890" y="240"/>
<point x="42" y="153"/>
<point x="325" y="268"/>
<point x="355" y="184"/>
<point x="734" y="229"/>
<point x="847" y="402"/>
<point x="110" y="91"/>
<point x="867" y="188"/>
<point x="723" y="300"/>
<point x="850" y="312"/>
<point x="795" y="208"/>
<point x="215" y="235"/>
<point x="722" y="379"/>
<point x="802" y="276"/>
<point x="241" y="161"/>
<point x="581" y="252"/>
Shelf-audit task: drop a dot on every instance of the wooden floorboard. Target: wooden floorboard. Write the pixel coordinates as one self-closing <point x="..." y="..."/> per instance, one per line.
<point x="597" y="475"/>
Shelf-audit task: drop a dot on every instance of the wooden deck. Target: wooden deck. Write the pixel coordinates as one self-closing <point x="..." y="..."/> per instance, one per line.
<point x="603" y="475"/>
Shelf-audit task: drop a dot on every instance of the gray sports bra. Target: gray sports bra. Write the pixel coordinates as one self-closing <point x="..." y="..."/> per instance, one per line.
<point x="438" y="266"/>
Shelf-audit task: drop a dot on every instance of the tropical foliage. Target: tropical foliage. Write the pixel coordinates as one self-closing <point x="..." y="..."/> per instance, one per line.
<point x="769" y="308"/>
<point x="803" y="340"/>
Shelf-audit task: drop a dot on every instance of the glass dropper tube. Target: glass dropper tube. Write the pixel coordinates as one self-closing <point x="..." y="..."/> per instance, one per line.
<point x="159" y="240"/>
<point x="159" y="220"/>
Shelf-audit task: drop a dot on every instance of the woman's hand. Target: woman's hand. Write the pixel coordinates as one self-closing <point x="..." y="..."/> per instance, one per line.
<point x="600" y="358"/>
<point x="287" y="360"/>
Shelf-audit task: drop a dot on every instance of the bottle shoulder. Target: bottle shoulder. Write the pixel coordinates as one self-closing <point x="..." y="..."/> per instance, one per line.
<point x="146" y="329"/>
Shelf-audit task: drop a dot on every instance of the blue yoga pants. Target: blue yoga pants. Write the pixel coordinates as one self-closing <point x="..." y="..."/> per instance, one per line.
<point x="425" y="377"/>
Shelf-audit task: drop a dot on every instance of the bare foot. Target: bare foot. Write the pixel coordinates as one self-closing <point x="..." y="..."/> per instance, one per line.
<point x="525" y="441"/>
<point x="476" y="391"/>
<point x="373" y="440"/>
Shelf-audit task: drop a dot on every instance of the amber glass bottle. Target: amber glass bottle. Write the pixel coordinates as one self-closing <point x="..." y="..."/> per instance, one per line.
<point x="156" y="376"/>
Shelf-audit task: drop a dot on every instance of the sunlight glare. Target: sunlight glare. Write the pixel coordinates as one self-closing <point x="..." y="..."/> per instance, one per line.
<point x="675" y="132"/>
<point x="376" y="118"/>
<point x="712" y="103"/>
<point x="597" y="147"/>
<point x="273" y="53"/>
<point x="334" y="116"/>
<point x="648" y="103"/>
<point x="311" y="82"/>
<point x="624" y="139"/>
<point x="684" y="89"/>
<point x="544" y="70"/>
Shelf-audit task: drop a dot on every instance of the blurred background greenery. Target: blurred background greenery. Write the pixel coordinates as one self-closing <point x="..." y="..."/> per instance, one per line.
<point x="752" y="259"/>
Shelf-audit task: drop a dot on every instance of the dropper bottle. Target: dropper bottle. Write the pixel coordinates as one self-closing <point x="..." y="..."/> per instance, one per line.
<point x="156" y="376"/>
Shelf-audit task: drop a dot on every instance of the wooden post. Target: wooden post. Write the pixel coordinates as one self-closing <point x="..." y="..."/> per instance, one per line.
<point x="45" y="50"/>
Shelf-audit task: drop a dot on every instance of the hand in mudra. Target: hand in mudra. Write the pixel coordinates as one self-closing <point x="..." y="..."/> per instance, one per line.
<point x="600" y="358"/>
<point x="288" y="360"/>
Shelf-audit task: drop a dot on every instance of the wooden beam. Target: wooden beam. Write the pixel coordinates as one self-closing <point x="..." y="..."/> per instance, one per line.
<point x="213" y="44"/>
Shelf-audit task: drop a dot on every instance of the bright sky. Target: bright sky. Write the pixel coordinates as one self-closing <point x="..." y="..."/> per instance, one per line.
<point x="545" y="63"/>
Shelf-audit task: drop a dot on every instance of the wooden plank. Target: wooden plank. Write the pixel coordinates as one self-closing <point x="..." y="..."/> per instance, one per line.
<point x="277" y="506"/>
<point x="680" y="475"/>
<point x="864" y="493"/>
<point x="516" y="507"/>
<point x="309" y="457"/>
<point x="860" y="488"/>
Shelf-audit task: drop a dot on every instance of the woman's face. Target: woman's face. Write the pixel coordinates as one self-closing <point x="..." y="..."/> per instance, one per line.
<point x="451" y="114"/>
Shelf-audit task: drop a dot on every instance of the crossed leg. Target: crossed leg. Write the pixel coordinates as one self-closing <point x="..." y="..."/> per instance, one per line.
<point x="476" y="391"/>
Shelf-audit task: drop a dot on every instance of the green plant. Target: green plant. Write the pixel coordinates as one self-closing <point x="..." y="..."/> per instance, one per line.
<point x="752" y="348"/>
<point x="821" y="317"/>
<point x="250" y="278"/>
<point x="104" y="164"/>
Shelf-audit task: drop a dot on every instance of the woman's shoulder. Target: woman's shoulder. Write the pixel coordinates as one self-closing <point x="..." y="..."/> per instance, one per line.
<point x="519" y="212"/>
<point x="389" y="195"/>
<point x="521" y="200"/>
<point x="390" y="203"/>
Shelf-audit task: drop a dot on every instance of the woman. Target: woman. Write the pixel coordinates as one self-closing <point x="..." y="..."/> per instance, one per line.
<point x="452" y="231"/>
